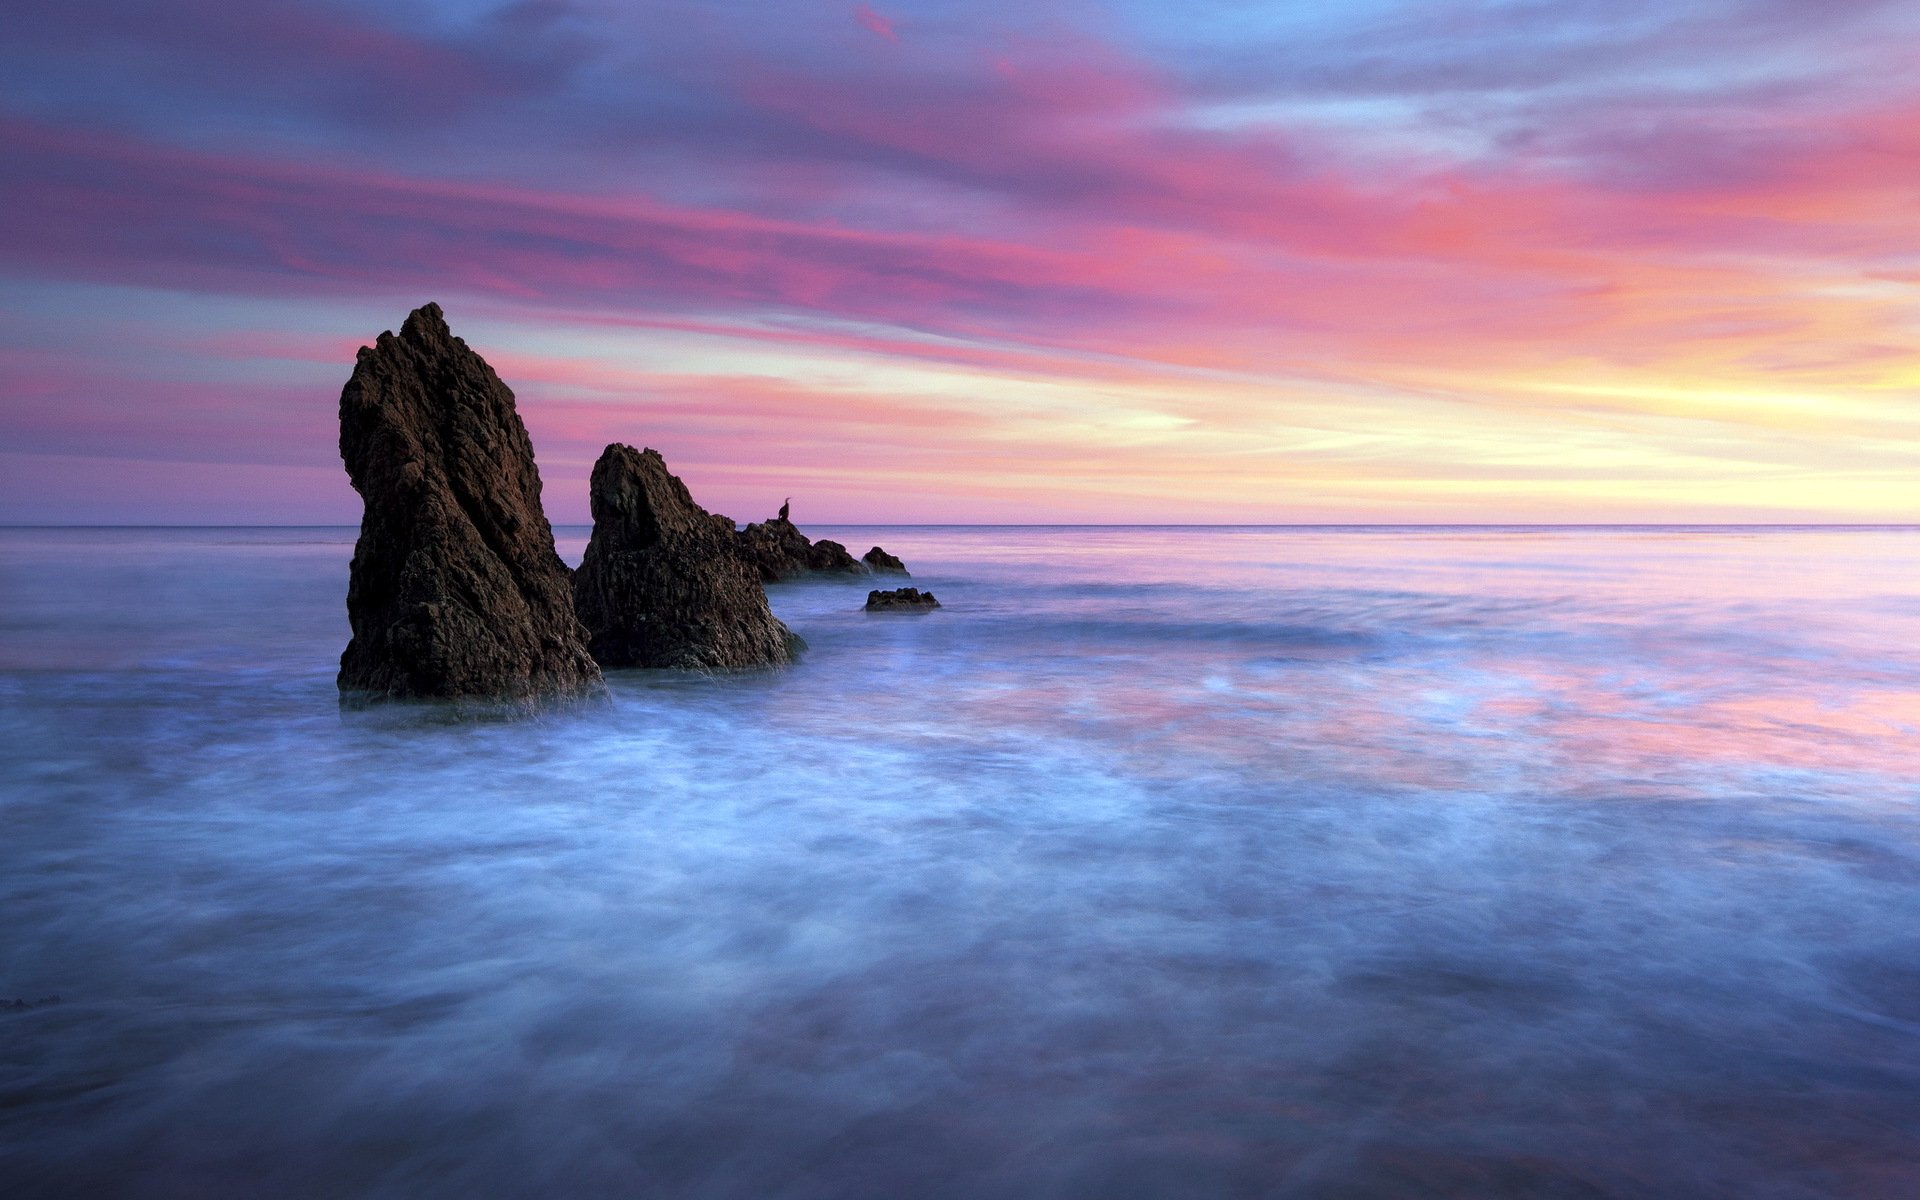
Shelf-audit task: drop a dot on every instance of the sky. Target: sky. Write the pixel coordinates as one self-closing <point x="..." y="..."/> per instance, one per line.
<point x="1367" y="261"/>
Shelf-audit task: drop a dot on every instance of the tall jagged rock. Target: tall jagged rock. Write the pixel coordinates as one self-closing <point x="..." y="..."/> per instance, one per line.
<point x="456" y="590"/>
<point x="778" y="550"/>
<point x="663" y="583"/>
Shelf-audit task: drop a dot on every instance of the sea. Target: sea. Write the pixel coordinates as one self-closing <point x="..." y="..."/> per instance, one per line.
<point x="1159" y="862"/>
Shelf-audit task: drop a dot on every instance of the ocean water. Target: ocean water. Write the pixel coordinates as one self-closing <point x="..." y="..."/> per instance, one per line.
<point x="1172" y="863"/>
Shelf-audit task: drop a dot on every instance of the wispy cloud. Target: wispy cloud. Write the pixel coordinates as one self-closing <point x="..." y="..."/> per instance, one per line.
<point x="874" y="21"/>
<point x="1627" y="223"/>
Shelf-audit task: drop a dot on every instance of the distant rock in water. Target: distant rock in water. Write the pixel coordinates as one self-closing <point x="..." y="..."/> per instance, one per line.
<point x="455" y="590"/>
<point x="831" y="558"/>
<point x="881" y="563"/>
<point x="778" y="550"/>
<point x="663" y="583"/>
<point x="901" y="600"/>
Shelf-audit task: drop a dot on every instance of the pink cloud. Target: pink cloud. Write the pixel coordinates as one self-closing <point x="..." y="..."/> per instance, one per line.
<point x="1068" y="219"/>
<point x="874" y="21"/>
<point x="1275" y="267"/>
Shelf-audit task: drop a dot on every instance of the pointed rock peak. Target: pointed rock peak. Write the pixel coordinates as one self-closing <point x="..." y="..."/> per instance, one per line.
<point x="455" y="589"/>
<point x="426" y="324"/>
<point x="662" y="583"/>
<point x="633" y="493"/>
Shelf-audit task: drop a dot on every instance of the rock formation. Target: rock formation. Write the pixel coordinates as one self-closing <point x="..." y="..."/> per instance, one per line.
<point x="455" y="589"/>
<point x="778" y="550"/>
<point x="881" y="563"/>
<point x="901" y="600"/>
<point x="663" y="583"/>
<point x="831" y="558"/>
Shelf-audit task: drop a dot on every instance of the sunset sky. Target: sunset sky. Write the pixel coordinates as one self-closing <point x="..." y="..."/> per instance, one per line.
<point x="1558" y="260"/>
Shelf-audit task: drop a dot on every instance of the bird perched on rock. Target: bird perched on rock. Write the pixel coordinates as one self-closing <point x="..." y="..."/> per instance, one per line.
<point x="784" y="505"/>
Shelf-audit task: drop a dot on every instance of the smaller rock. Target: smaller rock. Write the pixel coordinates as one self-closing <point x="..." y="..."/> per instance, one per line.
<point x="901" y="600"/>
<point x="662" y="583"/>
<point x="881" y="563"/>
<point x="830" y="557"/>
<point x="778" y="550"/>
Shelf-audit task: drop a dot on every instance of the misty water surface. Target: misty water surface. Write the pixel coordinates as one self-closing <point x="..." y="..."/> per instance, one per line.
<point x="1161" y="863"/>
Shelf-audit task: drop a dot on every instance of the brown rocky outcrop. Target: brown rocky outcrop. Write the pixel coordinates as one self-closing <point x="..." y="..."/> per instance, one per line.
<point x="455" y="589"/>
<point x="662" y="583"/>
<point x="778" y="550"/>
<point x="901" y="600"/>
<point x="831" y="558"/>
<point x="881" y="563"/>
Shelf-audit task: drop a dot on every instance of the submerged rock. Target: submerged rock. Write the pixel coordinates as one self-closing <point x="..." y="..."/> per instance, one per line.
<point x="455" y="589"/>
<point x="881" y="563"/>
<point x="663" y="583"/>
<point x="901" y="600"/>
<point x="778" y="550"/>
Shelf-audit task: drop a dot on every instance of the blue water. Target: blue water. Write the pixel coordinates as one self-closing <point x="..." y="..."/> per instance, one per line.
<point x="1160" y="863"/>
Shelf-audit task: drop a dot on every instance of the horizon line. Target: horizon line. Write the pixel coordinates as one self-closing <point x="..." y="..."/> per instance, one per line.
<point x="1097" y="525"/>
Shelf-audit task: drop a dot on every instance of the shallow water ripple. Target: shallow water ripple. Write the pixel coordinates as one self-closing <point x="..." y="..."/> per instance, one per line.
<point x="1159" y="863"/>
